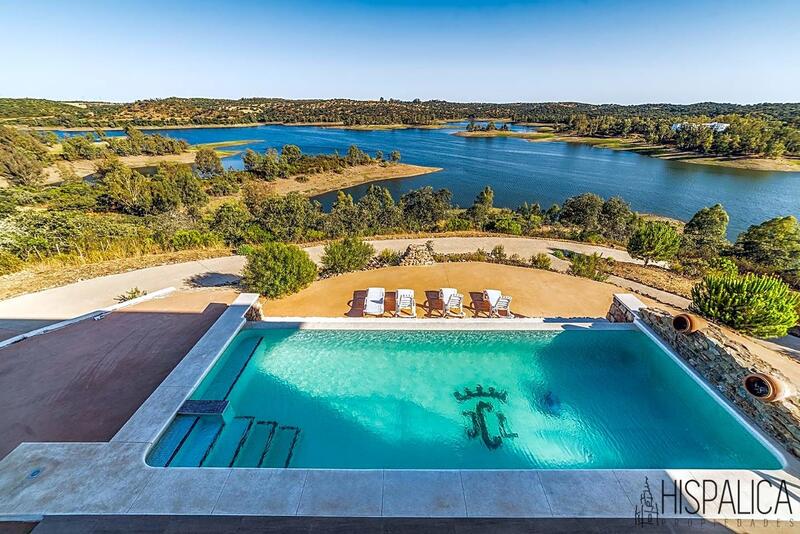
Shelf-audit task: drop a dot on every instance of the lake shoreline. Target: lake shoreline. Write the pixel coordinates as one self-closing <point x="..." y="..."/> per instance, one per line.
<point x="327" y="182"/>
<point x="646" y="149"/>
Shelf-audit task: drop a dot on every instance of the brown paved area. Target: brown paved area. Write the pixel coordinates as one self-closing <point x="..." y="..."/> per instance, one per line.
<point x="535" y="293"/>
<point x="83" y="382"/>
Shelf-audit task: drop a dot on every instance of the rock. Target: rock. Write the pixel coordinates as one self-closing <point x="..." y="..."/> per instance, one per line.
<point x="417" y="255"/>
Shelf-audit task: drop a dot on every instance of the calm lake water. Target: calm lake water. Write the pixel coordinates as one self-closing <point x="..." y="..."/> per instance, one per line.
<point x="521" y="171"/>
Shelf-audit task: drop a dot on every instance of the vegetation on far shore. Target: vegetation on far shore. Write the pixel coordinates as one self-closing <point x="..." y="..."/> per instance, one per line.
<point x="745" y="142"/>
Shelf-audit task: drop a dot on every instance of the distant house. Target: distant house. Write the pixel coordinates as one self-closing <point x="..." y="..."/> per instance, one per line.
<point x="716" y="126"/>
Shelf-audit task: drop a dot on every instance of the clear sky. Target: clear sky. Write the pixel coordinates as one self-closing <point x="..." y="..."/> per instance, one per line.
<point x="494" y="51"/>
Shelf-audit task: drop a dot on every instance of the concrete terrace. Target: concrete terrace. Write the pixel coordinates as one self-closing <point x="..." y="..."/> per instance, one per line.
<point x="84" y="381"/>
<point x="111" y="477"/>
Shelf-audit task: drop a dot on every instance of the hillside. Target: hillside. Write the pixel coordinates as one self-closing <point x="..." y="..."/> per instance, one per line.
<point x="187" y="111"/>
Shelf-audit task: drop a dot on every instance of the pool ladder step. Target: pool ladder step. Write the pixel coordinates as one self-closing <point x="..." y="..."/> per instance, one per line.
<point x="267" y="444"/>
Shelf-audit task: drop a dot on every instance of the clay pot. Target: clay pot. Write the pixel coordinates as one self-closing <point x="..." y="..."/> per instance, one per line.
<point x="687" y="323"/>
<point x="766" y="388"/>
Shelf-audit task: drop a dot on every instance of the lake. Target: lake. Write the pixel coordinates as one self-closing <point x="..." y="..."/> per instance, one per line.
<point x="522" y="171"/>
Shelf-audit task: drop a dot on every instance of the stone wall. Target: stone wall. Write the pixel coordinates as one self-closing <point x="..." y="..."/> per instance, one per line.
<point x="418" y="255"/>
<point x="724" y="363"/>
<point x="619" y="312"/>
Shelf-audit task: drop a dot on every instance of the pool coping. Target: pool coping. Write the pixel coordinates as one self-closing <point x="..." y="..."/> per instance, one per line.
<point x="38" y="479"/>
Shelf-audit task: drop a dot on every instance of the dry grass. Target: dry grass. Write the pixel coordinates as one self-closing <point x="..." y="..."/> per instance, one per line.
<point x="656" y="277"/>
<point x="54" y="274"/>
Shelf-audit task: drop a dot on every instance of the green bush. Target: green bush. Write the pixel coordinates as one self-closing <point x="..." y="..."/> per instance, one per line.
<point x="9" y="263"/>
<point x="498" y="253"/>
<point x="133" y="293"/>
<point x="349" y="254"/>
<point x="593" y="266"/>
<point x="721" y="265"/>
<point x="189" y="239"/>
<point x="540" y="261"/>
<point x="761" y="306"/>
<point x="231" y="221"/>
<point x="277" y="269"/>
<point x="456" y="224"/>
<point x="389" y="257"/>
<point x="507" y="225"/>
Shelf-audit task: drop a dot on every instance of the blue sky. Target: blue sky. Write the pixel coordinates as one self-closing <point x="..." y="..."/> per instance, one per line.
<point x="570" y="50"/>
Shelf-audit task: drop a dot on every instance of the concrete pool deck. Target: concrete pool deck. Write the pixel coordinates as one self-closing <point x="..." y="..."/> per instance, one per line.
<point x="39" y="479"/>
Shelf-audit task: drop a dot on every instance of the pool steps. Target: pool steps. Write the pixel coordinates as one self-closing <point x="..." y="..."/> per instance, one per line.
<point x="218" y="438"/>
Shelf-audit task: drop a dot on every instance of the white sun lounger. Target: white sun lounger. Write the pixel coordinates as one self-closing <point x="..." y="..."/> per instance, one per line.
<point x="497" y="303"/>
<point x="405" y="302"/>
<point x="452" y="302"/>
<point x="373" y="302"/>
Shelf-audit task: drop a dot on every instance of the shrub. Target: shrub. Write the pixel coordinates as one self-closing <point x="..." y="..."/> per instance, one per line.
<point x="231" y="221"/>
<point x="558" y="253"/>
<point x="758" y="305"/>
<point x="455" y="224"/>
<point x="498" y="253"/>
<point x="593" y="266"/>
<point x="722" y="266"/>
<point x="389" y="257"/>
<point x="131" y="294"/>
<point x="654" y="241"/>
<point x="349" y="254"/>
<point x="188" y="239"/>
<point x="277" y="269"/>
<point x="540" y="261"/>
<point x="507" y="224"/>
<point x="9" y="263"/>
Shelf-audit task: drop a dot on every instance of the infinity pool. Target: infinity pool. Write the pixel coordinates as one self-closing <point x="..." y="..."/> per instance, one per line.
<point x="411" y="399"/>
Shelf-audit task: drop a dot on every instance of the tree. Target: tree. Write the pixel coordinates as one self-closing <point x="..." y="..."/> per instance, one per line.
<point x="704" y="234"/>
<point x="394" y="156"/>
<point x="423" y="208"/>
<point x="127" y="191"/>
<point x="344" y="217"/>
<point x="230" y="221"/>
<point x="291" y="154"/>
<point x="616" y="220"/>
<point x="761" y="306"/>
<point x="188" y="187"/>
<point x="22" y="157"/>
<point x="208" y="163"/>
<point x="654" y="241"/>
<point x="583" y="211"/>
<point x="479" y="212"/>
<point x="349" y="254"/>
<point x="774" y="244"/>
<point x="378" y="211"/>
<point x="288" y="218"/>
<point x="277" y="269"/>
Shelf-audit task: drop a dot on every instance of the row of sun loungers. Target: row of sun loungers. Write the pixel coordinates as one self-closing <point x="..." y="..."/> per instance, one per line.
<point x="451" y="303"/>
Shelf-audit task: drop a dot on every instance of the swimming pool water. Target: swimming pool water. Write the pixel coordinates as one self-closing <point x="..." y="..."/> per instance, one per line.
<point x="573" y="399"/>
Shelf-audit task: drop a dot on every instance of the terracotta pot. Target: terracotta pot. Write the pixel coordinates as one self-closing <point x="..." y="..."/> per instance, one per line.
<point x="766" y="388"/>
<point x="687" y="323"/>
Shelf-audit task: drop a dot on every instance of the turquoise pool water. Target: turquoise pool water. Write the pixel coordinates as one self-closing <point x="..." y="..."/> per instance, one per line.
<point x="573" y="399"/>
